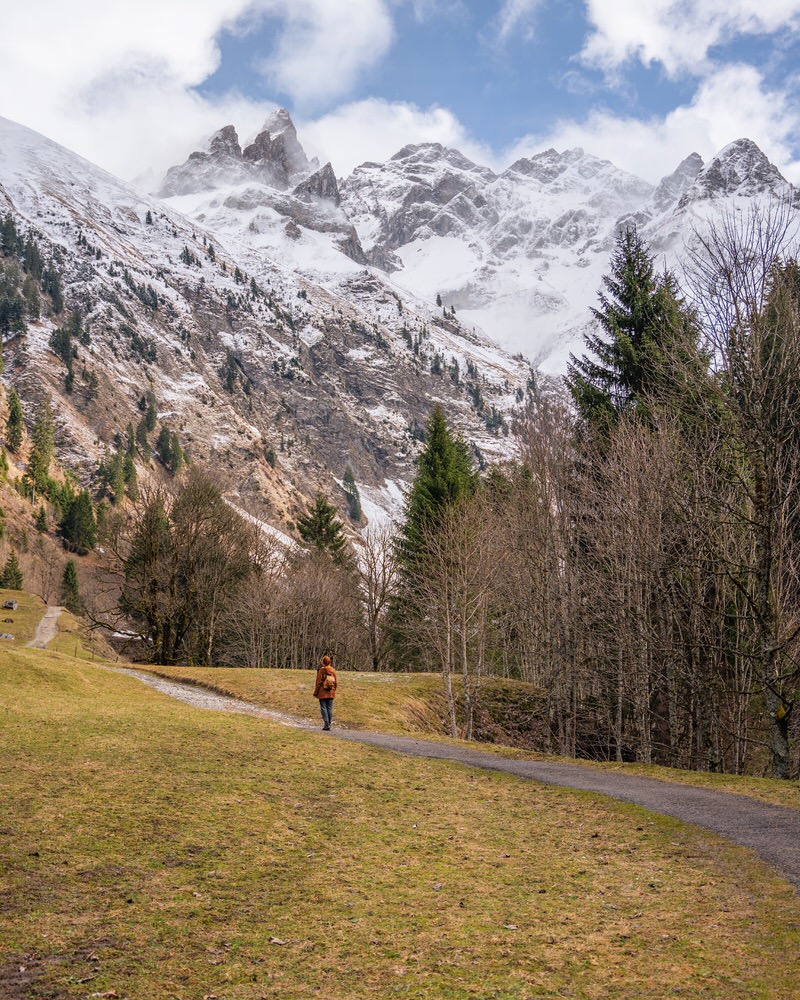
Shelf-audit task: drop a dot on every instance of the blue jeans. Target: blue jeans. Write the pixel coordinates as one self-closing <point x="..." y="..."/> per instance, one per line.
<point x="326" y="708"/>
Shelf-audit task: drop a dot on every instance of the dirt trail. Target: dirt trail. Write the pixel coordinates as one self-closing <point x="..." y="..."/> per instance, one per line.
<point x="47" y="629"/>
<point x="772" y="832"/>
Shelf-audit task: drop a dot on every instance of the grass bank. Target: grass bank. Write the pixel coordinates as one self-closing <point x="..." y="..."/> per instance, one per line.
<point x="155" y="851"/>
<point x="412" y="704"/>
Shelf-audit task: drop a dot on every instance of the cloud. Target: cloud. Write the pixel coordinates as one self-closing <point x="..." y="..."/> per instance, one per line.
<point x="427" y="10"/>
<point x="516" y="18"/>
<point x="325" y="45"/>
<point x="650" y="148"/>
<point x="376" y="129"/>
<point x="118" y="85"/>
<point x="678" y="34"/>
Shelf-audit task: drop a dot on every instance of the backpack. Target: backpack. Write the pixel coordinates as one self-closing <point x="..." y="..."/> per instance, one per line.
<point x="329" y="684"/>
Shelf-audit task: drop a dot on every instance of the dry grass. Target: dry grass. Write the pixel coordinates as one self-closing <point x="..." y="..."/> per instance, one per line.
<point x="407" y="704"/>
<point x="156" y="851"/>
<point x="390" y="703"/>
<point x="22" y="622"/>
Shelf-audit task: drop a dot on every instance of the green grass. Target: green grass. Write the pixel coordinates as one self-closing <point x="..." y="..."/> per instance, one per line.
<point x="411" y="704"/>
<point x="23" y="621"/>
<point x="149" y="850"/>
<point x="390" y="703"/>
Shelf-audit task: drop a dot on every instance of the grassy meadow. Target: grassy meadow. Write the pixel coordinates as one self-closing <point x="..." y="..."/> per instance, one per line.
<point x="150" y="850"/>
<point x="413" y="705"/>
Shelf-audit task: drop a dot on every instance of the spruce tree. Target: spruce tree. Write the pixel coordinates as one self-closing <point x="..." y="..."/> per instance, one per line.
<point x="11" y="577"/>
<point x="70" y="596"/>
<point x="322" y="530"/>
<point x="150" y="417"/>
<point x="115" y="477"/>
<point x="78" y="527"/>
<point x="444" y="475"/>
<point x="15" y="424"/>
<point x="131" y="479"/>
<point x="353" y="498"/>
<point x="141" y="439"/>
<point x="639" y="318"/>
<point x="43" y="438"/>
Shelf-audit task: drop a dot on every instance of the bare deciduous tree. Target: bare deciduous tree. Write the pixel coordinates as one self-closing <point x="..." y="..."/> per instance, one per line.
<point x="377" y="567"/>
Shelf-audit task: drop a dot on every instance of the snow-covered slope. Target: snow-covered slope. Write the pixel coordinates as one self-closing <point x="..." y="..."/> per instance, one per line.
<point x="520" y="256"/>
<point x="273" y="355"/>
<point x="290" y="325"/>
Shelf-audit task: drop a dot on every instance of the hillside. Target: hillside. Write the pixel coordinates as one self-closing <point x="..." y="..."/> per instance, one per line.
<point x="278" y="382"/>
<point x="289" y="327"/>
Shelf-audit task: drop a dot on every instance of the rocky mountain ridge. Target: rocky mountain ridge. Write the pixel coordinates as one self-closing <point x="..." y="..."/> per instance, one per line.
<point x="280" y="382"/>
<point x="293" y="326"/>
<point x="519" y="254"/>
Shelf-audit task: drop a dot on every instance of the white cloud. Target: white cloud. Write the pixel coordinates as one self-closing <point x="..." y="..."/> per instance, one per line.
<point x="325" y="45"/>
<point x="375" y="129"/>
<point x="426" y="10"/>
<point x="516" y="18"/>
<point x="117" y="83"/>
<point x="678" y="33"/>
<point x="726" y="99"/>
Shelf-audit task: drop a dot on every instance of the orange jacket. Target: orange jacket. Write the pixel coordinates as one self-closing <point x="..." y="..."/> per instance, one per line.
<point x="319" y="691"/>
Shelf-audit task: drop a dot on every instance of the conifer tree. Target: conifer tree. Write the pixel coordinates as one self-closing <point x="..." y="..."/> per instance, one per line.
<point x="131" y="479"/>
<point x="70" y="596"/>
<point x="43" y="437"/>
<point x="15" y="424"/>
<point x="444" y="475"/>
<point x="150" y="417"/>
<point x="353" y="498"/>
<point x="141" y="439"/>
<point x="10" y="240"/>
<point x="169" y="450"/>
<point x="11" y="577"/>
<point x="639" y="317"/>
<point x="12" y="304"/>
<point x="322" y="530"/>
<point x="78" y="527"/>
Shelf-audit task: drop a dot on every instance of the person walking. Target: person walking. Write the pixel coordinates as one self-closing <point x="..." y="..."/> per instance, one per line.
<point x="325" y="690"/>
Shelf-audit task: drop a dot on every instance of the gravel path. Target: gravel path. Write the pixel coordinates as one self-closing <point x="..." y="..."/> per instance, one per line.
<point x="773" y="832"/>
<point x="47" y="628"/>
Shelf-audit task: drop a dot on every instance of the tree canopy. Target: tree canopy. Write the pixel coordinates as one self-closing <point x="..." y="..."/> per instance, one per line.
<point x="641" y="320"/>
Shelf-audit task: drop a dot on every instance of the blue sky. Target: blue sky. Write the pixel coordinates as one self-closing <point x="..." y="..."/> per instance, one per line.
<point x="640" y="82"/>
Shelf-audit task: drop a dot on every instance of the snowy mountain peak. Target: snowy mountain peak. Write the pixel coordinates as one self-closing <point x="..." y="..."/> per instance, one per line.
<point x="279" y="121"/>
<point x="547" y="165"/>
<point x="224" y="143"/>
<point x="435" y="155"/>
<point x="274" y="158"/>
<point x="672" y="187"/>
<point x="575" y="171"/>
<point x="321" y="184"/>
<point x="740" y="169"/>
<point x="277" y="147"/>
